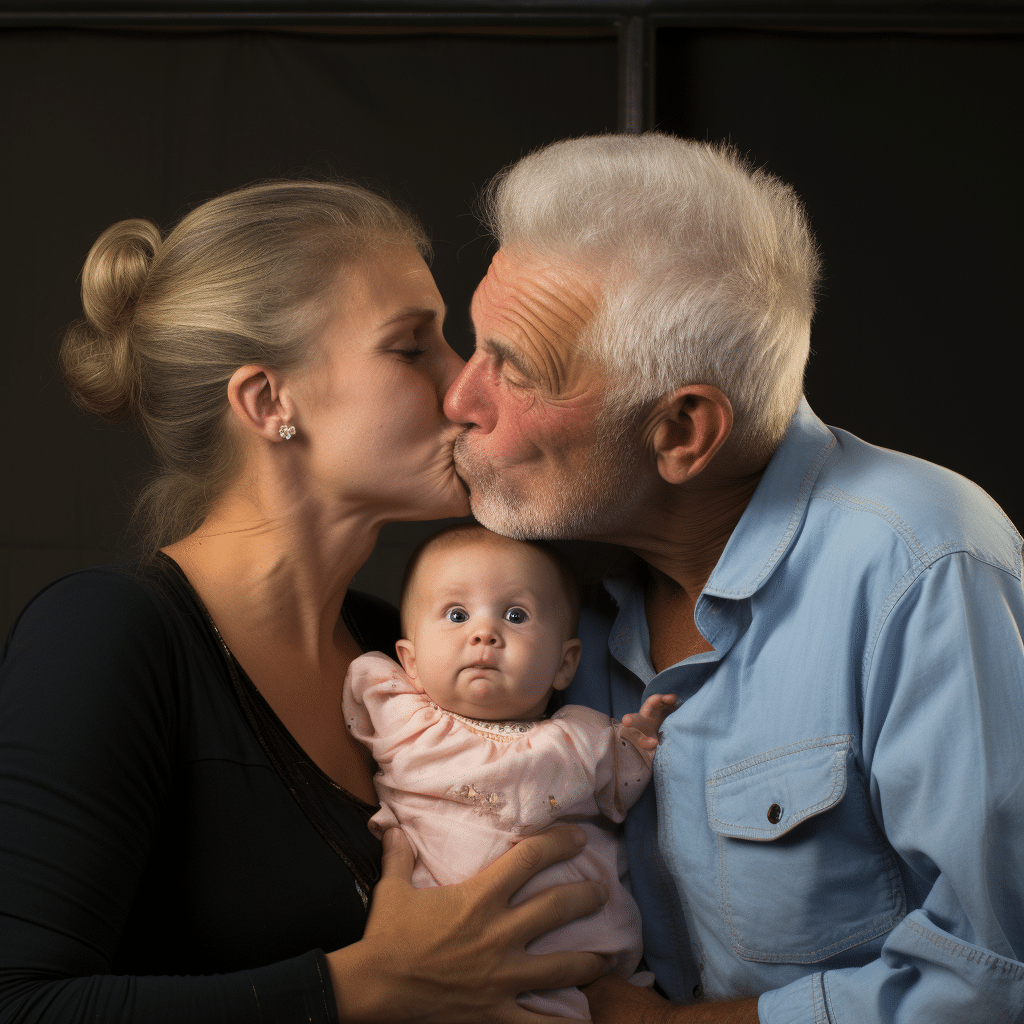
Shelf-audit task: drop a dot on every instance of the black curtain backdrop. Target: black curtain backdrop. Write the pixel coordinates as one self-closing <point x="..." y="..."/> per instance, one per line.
<point x="906" y="148"/>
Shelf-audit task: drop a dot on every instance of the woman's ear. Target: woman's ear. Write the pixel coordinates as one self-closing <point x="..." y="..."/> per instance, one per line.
<point x="407" y="656"/>
<point x="690" y="426"/>
<point x="259" y="402"/>
<point x="571" y="651"/>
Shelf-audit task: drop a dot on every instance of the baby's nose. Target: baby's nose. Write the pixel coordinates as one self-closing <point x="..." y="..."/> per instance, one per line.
<point x="484" y="636"/>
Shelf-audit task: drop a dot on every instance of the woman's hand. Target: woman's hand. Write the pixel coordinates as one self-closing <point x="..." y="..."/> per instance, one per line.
<point x="457" y="953"/>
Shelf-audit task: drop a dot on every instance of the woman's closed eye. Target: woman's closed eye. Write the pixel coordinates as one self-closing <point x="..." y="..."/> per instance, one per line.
<point x="410" y="354"/>
<point x="516" y="615"/>
<point x="456" y="614"/>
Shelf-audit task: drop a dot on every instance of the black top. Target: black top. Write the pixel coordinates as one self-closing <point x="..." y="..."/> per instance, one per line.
<point x="158" y="823"/>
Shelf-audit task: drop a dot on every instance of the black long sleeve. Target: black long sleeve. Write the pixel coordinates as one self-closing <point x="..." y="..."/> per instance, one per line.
<point x="153" y="866"/>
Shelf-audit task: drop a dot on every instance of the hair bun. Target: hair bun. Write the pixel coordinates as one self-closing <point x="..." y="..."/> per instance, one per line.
<point x="97" y="357"/>
<point x="115" y="272"/>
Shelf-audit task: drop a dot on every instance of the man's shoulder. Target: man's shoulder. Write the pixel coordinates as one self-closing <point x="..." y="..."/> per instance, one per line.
<point x="931" y="510"/>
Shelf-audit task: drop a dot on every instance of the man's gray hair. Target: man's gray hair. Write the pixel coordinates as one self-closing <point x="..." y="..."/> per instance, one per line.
<point x="707" y="266"/>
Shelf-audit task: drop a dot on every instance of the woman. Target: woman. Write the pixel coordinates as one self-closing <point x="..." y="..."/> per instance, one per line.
<point x="182" y="812"/>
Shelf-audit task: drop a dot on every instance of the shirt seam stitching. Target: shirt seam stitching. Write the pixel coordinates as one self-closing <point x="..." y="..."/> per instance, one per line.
<point x="902" y="587"/>
<point x="926" y="556"/>
<point x="989" y="960"/>
<point x="833" y="740"/>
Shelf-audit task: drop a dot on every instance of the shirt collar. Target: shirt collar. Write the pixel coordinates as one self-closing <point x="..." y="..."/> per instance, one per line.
<point x="771" y="519"/>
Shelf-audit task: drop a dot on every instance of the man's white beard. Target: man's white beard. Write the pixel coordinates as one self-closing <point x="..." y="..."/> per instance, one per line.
<point x="587" y="504"/>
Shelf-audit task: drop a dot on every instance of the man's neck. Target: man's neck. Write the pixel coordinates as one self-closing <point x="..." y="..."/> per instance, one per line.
<point x="682" y="538"/>
<point x="681" y="542"/>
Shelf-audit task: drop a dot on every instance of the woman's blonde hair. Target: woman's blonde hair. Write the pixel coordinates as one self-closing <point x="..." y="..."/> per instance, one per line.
<point x="169" y="320"/>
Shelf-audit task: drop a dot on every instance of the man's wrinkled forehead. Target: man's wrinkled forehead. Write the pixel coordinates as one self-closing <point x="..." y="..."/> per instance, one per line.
<point x="523" y="299"/>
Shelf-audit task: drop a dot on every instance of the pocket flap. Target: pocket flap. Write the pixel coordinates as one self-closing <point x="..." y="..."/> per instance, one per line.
<point x="765" y="796"/>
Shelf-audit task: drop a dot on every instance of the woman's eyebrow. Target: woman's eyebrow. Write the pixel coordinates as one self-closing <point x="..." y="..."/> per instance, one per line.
<point x="422" y="314"/>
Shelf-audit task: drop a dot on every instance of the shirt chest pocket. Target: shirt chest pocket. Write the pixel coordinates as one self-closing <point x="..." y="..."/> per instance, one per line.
<point x="803" y="870"/>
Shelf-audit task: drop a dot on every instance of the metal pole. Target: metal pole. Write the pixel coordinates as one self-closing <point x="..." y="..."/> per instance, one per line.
<point x="634" y="74"/>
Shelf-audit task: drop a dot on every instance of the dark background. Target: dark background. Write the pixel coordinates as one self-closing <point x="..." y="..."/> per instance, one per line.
<point x="905" y="141"/>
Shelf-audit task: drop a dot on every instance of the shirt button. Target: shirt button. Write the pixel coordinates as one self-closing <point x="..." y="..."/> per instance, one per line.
<point x="775" y="814"/>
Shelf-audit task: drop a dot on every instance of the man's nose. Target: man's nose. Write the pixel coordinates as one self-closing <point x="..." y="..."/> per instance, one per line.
<point x="467" y="401"/>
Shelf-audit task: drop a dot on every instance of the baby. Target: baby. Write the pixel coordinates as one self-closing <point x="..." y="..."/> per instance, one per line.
<point x="469" y="765"/>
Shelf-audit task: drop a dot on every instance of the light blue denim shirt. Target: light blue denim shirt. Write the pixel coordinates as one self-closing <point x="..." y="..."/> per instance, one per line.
<point x="837" y="815"/>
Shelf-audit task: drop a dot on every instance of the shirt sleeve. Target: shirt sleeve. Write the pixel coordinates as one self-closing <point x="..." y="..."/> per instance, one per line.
<point x="88" y="728"/>
<point x="943" y="711"/>
<point x="377" y="702"/>
<point x="621" y="770"/>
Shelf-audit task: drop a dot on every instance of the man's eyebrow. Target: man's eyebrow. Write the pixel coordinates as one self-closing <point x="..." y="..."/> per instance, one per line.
<point x="424" y="314"/>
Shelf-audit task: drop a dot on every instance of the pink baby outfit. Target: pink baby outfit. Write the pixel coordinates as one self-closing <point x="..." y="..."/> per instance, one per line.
<point x="465" y="792"/>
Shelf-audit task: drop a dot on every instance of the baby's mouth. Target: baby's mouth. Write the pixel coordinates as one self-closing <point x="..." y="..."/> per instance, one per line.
<point x="488" y="663"/>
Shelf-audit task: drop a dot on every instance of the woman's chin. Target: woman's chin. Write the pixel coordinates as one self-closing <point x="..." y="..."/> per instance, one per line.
<point x="453" y="505"/>
<point x="459" y="506"/>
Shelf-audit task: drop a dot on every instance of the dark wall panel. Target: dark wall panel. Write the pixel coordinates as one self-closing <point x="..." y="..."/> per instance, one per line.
<point x="907" y="149"/>
<point x="100" y="126"/>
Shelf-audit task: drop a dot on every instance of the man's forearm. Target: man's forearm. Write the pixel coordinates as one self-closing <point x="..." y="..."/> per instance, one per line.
<point x="614" y="1001"/>
<point x="738" y="1011"/>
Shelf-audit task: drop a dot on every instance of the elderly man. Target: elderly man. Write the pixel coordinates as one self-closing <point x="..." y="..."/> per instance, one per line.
<point x="835" y="830"/>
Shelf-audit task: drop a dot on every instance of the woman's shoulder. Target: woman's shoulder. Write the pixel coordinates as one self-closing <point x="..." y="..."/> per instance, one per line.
<point x="92" y="666"/>
<point x="116" y="637"/>
<point x="126" y="602"/>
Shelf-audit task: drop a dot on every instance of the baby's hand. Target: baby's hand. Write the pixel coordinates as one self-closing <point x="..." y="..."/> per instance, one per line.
<point x="648" y="720"/>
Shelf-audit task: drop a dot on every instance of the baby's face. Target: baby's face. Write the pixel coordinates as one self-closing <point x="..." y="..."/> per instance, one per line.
<point x="489" y="624"/>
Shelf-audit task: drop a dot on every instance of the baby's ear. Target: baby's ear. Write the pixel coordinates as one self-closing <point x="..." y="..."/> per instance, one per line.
<point x="571" y="651"/>
<point x="407" y="656"/>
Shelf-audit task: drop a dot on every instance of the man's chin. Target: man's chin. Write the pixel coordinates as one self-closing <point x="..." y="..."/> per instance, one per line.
<point x="505" y="515"/>
<point x="486" y="515"/>
<point x="491" y="504"/>
<point x="537" y="515"/>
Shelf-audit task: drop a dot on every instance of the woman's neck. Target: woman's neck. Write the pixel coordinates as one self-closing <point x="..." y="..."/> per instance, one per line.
<point x="272" y="578"/>
<point x="274" y="586"/>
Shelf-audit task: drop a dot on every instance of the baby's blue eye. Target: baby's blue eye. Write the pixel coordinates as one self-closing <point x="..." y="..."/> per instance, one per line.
<point x="456" y="615"/>
<point x="516" y="616"/>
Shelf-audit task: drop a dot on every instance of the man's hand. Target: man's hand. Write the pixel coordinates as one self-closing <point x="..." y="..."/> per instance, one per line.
<point x="614" y="1001"/>
<point x="648" y="720"/>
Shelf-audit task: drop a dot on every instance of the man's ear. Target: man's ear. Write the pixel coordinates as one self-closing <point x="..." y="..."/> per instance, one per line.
<point x="690" y="426"/>
<point x="571" y="651"/>
<point x="259" y="402"/>
<point x="407" y="656"/>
